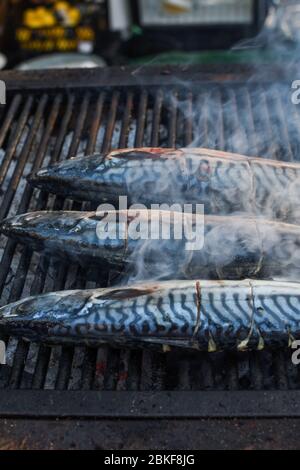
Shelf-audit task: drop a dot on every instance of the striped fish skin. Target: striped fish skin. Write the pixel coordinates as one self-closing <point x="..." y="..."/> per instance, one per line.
<point x="202" y="315"/>
<point x="223" y="182"/>
<point x="234" y="247"/>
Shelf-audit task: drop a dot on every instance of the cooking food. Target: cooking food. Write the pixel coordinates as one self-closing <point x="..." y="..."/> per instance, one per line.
<point x="231" y="248"/>
<point x="202" y="315"/>
<point x="224" y="182"/>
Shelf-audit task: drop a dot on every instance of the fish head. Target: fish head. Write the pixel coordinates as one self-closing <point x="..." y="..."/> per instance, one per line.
<point x="103" y="178"/>
<point x="15" y="318"/>
<point x="82" y="237"/>
<point x="37" y="227"/>
<point x="42" y="317"/>
<point x="62" y="178"/>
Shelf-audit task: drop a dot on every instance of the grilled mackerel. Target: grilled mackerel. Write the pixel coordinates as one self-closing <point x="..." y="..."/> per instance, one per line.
<point x="202" y="315"/>
<point x="223" y="182"/>
<point x="232" y="247"/>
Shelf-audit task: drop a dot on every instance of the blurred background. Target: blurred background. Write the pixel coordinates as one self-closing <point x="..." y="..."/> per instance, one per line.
<point x="91" y="33"/>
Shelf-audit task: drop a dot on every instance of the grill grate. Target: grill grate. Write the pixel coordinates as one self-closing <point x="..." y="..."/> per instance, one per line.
<point x="42" y="126"/>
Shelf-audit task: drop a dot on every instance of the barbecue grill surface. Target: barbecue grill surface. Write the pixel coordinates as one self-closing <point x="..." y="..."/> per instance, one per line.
<point x="52" y="116"/>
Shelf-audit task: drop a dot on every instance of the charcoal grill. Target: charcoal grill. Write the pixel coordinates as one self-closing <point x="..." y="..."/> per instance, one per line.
<point x="54" y="115"/>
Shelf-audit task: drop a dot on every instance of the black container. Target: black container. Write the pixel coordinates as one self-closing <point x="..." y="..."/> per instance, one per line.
<point x="156" y="37"/>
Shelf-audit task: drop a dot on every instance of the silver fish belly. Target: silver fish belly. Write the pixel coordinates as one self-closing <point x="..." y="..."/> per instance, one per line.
<point x="201" y="315"/>
<point x="223" y="182"/>
<point x="233" y="247"/>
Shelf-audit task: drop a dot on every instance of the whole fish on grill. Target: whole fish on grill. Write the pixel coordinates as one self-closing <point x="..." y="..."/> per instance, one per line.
<point x="203" y="315"/>
<point x="232" y="247"/>
<point x="223" y="182"/>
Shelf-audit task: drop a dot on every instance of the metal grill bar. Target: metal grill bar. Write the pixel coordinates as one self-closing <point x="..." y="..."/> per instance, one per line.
<point x="145" y="405"/>
<point x="95" y="124"/>
<point x="141" y="120"/>
<point x="42" y="364"/>
<point x="172" y="119"/>
<point x="15" y="138"/>
<point x="111" y="122"/>
<point x="10" y="117"/>
<point x="22" y="159"/>
<point x="156" y="118"/>
<point x="126" y="120"/>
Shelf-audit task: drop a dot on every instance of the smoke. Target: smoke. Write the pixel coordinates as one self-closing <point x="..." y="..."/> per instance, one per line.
<point x="165" y="253"/>
<point x="254" y="116"/>
<point x="234" y="248"/>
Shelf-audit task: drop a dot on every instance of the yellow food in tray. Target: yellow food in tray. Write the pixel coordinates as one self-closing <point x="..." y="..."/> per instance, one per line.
<point x="42" y="17"/>
<point x="71" y="15"/>
<point x="39" y="18"/>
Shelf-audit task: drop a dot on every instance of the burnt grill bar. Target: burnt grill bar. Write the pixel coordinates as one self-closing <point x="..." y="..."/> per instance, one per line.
<point x="145" y="405"/>
<point x="144" y="77"/>
<point x="82" y="112"/>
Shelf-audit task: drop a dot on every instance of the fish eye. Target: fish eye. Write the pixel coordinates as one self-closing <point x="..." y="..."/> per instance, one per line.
<point x="76" y="228"/>
<point x="22" y="308"/>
